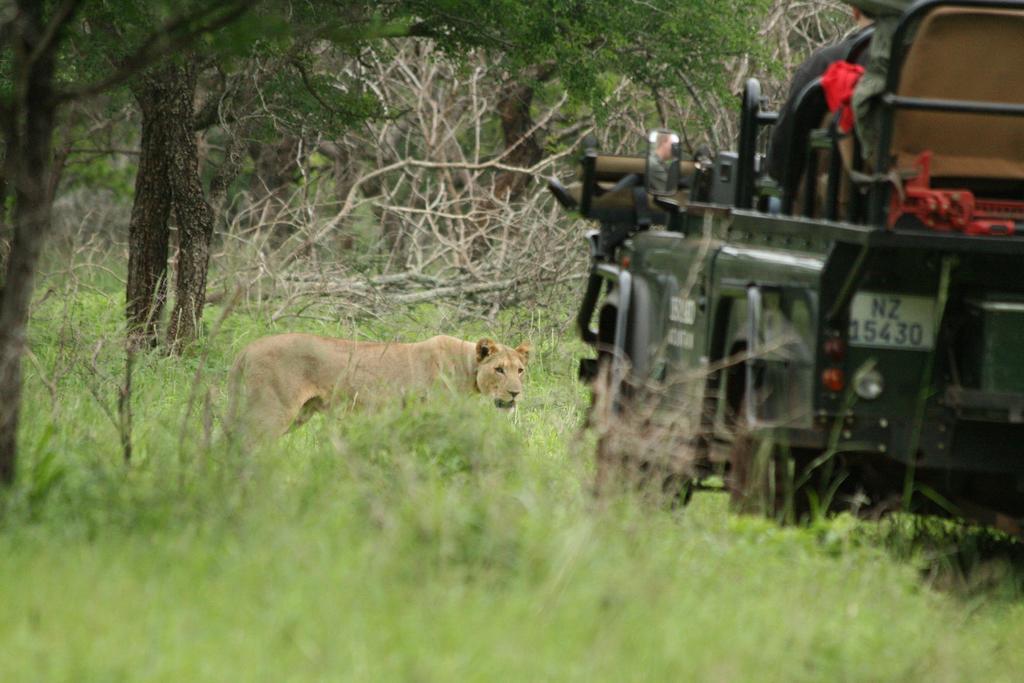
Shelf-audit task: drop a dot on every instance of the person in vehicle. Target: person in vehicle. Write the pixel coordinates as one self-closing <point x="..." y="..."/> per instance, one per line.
<point x="659" y="161"/>
<point x="814" y="67"/>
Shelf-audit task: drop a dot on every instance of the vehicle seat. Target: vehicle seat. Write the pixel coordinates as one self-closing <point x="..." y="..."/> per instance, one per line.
<point x="961" y="53"/>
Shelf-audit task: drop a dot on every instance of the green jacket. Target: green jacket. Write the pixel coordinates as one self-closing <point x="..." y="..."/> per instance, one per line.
<point x="867" y="95"/>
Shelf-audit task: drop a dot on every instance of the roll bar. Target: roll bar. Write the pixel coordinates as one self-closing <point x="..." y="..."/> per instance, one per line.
<point x="751" y="121"/>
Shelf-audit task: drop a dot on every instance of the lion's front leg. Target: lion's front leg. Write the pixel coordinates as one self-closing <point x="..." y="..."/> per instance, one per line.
<point x="265" y="412"/>
<point x="264" y="420"/>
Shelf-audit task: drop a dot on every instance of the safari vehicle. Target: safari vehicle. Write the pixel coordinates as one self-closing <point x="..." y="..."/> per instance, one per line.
<point x="854" y="336"/>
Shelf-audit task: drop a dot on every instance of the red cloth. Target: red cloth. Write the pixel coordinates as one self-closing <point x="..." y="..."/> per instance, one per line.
<point x="838" y="83"/>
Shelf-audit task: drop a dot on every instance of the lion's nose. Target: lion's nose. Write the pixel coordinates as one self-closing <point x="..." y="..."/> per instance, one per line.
<point x="513" y="394"/>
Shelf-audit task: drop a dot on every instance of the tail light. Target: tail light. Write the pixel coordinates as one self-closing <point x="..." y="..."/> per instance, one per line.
<point x="833" y="379"/>
<point x="835" y="349"/>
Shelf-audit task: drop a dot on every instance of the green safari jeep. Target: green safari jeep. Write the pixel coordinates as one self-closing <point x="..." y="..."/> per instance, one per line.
<point x="852" y="335"/>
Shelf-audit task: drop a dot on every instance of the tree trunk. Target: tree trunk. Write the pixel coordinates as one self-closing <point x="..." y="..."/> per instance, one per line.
<point x="168" y="179"/>
<point x="516" y="126"/>
<point x="195" y="229"/>
<point x="195" y="223"/>
<point x="28" y="145"/>
<point x="9" y="127"/>
<point x="275" y="165"/>
<point x="6" y="231"/>
<point x="345" y="175"/>
<point x="228" y="171"/>
<point x="148" y="233"/>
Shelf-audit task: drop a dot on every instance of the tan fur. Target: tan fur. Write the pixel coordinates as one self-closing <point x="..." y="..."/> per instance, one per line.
<point x="279" y="381"/>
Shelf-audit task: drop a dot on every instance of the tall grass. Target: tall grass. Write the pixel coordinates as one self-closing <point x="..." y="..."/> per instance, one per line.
<point x="431" y="540"/>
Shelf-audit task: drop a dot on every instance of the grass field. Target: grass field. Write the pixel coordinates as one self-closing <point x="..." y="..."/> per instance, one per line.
<point x="438" y="541"/>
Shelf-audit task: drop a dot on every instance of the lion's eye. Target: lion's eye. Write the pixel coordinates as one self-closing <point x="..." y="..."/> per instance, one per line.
<point x="500" y="371"/>
<point x="520" y="371"/>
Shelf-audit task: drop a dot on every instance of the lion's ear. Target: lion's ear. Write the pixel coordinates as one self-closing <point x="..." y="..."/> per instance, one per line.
<point x="484" y="348"/>
<point x="524" y="350"/>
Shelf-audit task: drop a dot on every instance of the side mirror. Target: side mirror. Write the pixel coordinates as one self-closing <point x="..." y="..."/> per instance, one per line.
<point x="661" y="174"/>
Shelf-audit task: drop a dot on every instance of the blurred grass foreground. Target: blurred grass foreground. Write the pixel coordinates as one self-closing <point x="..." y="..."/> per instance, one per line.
<point x="433" y="541"/>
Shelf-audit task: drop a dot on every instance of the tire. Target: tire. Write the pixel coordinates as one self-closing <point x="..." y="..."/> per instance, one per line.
<point x="784" y="484"/>
<point x="623" y="455"/>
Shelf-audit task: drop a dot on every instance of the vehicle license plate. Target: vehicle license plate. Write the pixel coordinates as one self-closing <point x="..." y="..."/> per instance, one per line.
<point x="897" y="321"/>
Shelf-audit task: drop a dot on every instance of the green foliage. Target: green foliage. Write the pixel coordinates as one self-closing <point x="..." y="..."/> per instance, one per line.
<point x="111" y="30"/>
<point x="667" y="44"/>
<point x="102" y="172"/>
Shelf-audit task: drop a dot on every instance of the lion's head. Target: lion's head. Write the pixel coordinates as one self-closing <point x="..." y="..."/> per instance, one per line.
<point x="499" y="371"/>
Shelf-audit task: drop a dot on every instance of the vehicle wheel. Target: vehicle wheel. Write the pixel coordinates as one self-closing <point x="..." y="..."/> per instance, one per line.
<point x="768" y="479"/>
<point x="620" y="469"/>
<point x="678" y="489"/>
<point x="628" y="456"/>
<point x="605" y="417"/>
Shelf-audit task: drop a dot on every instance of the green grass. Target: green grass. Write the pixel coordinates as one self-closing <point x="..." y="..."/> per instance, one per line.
<point x="434" y="541"/>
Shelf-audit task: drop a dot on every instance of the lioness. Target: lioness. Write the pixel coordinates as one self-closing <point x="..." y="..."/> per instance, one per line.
<point x="279" y="381"/>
